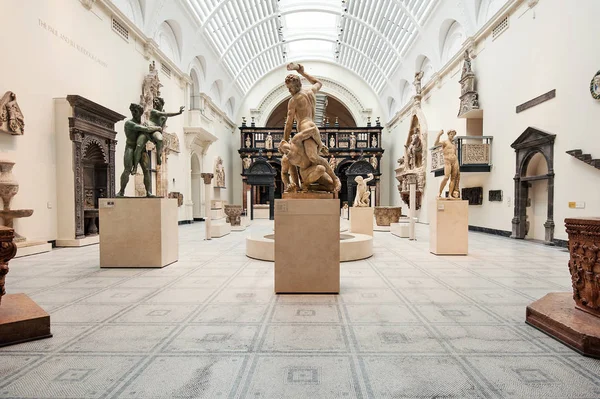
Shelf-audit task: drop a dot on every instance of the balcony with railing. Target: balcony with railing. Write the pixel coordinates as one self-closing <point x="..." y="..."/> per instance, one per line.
<point x="474" y="155"/>
<point x="337" y="139"/>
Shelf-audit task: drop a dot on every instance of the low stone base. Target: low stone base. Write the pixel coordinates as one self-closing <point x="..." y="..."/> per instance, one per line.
<point x="219" y="230"/>
<point x="78" y="242"/>
<point x="308" y="195"/>
<point x="376" y="227"/>
<point x="555" y="314"/>
<point x="238" y="228"/>
<point x="401" y="229"/>
<point x="22" y="320"/>
<point x="217" y="214"/>
<point x="32" y="247"/>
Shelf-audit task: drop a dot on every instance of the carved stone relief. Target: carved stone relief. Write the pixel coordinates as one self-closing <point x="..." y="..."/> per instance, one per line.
<point x="584" y="263"/>
<point x="414" y="161"/>
<point x="11" y="117"/>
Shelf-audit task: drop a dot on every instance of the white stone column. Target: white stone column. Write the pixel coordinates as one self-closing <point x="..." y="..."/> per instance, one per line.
<point x="248" y="203"/>
<point x="412" y="209"/>
<point x="372" y="197"/>
<point x="207" y="191"/>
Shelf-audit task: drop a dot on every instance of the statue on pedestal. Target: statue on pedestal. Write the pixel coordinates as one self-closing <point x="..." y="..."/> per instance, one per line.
<point x="374" y="162"/>
<point x="352" y="141"/>
<point x="149" y="120"/>
<point x="362" y="192"/>
<point x="247" y="162"/>
<point x="269" y="142"/>
<point x="374" y="142"/>
<point x="417" y="82"/>
<point x="332" y="142"/>
<point x="219" y="173"/>
<point x="133" y="131"/>
<point x="415" y="150"/>
<point x="248" y="142"/>
<point x="302" y="152"/>
<point x="451" y="166"/>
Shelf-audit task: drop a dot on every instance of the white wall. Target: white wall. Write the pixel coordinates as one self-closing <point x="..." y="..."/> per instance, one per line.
<point x="61" y="48"/>
<point x="547" y="47"/>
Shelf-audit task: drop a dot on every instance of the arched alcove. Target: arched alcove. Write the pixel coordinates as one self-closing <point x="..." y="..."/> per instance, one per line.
<point x="132" y="10"/>
<point x="406" y="92"/>
<point x="335" y="109"/>
<point x="423" y="63"/>
<point x="452" y="36"/>
<point x="391" y="103"/>
<point x="230" y="107"/>
<point x="194" y="90"/>
<point x="168" y="38"/>
<point x="215" y="91"/>
<point x="488" y="8"/>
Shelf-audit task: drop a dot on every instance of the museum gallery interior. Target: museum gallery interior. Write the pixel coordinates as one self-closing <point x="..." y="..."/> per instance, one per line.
<point x="300" y="199"/>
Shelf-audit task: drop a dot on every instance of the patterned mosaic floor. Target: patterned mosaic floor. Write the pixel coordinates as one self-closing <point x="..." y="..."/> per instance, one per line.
<point x="407" y="324"/>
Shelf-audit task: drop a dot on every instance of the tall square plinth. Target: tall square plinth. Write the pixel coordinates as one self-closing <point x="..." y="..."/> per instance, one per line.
<point x="307" y="246"/>
<point x="361" y="220"/>
<point x="449" y="227"/>
<point x="138" y="232"/>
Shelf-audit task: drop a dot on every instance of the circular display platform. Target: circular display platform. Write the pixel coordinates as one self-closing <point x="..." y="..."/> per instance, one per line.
<point x="352" y="247"/>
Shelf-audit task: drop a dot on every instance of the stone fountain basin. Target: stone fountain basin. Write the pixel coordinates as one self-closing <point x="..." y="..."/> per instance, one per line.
<point x="384" y="215"/>
<point x="352" y="247"/>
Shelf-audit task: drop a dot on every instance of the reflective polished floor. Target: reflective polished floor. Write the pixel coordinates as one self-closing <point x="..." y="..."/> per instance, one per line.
<point x="407" y="324"/>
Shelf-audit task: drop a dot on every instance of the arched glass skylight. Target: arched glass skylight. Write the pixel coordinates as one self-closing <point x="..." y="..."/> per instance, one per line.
<point x="369" y="37"/>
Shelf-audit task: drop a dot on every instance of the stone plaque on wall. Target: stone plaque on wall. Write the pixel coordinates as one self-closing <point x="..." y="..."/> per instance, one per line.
<point x="473" y="194"/>
<point x="495" y="195"/>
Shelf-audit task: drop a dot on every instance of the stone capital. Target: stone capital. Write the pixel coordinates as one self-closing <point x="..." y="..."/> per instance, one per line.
<point x="207" y="177"/>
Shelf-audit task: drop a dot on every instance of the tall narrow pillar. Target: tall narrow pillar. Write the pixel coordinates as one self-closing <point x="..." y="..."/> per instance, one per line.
<point x="207" y="190"/>
<point x="372" y="197"/>
<point x="412" y="210"/>
<point x="248" y="202"/>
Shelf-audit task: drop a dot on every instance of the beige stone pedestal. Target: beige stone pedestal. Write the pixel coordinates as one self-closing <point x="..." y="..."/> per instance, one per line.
<point x="448" y="227"/>
<point x="307" y="246"/>
<point x="138" y="232"/>
<point x="220" y="229"/>
<point x="401" y="229"/>
<point x="361" y="220"/>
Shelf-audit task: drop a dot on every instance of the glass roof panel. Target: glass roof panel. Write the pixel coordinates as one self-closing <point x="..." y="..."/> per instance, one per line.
<point x="301" y="48"/>
<point x="369" y="37"/>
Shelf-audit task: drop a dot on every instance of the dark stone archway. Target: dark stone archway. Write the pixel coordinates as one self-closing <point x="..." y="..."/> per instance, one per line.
<point x="531" y="142"/>
<point x="261" y="173"/>
<point x="359" y="168"/>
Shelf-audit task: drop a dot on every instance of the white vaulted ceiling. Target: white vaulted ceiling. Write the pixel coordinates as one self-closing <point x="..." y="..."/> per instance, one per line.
<point x="368" y="37"/>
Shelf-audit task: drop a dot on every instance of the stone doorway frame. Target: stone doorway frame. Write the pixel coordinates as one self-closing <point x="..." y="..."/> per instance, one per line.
<point x="529" y="143"/>
<point x="91" y="123"/>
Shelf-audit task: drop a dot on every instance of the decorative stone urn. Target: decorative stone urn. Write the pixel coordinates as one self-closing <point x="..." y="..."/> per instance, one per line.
<point x="584" y="264"/>
<point x="234" y="213"/>
<point x="9" y="187"/>
<point x="384" y="215"/>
